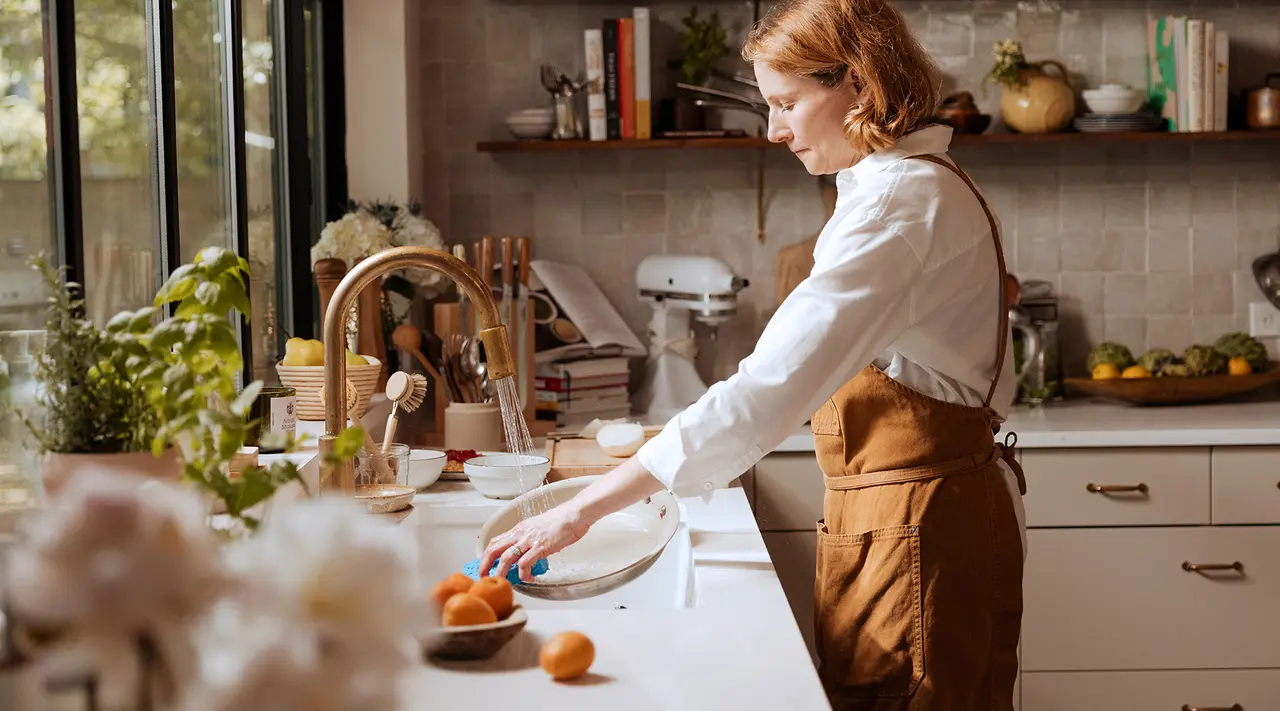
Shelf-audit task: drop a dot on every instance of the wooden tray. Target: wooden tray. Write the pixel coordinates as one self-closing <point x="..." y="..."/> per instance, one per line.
<point x="1173" y="390"/>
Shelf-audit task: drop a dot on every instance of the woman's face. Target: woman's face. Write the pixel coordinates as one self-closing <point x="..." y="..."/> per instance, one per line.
<point x="809" y="118"/>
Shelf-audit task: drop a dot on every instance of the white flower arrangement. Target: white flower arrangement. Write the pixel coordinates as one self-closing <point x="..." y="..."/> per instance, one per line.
<point x="369" y="228"/>
<point x="325" y="602"/>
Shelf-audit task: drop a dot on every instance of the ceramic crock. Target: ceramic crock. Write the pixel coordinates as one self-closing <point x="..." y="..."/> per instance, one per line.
<point x="1042" y="103"/>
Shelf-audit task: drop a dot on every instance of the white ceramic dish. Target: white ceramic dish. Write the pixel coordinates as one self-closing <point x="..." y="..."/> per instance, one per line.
<point x="498" y="476"/>
<point x="425" y="466"/>
<point x="618" y="549"/>
<point x="1112" y="99"/>
<point x="385" y="498"/>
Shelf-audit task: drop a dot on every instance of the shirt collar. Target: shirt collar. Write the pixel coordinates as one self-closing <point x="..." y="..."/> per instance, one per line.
<point x="935" y="138"/>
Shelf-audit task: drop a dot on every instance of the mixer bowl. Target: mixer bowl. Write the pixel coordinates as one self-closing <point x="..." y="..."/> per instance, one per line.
<point x="618" y="549"/>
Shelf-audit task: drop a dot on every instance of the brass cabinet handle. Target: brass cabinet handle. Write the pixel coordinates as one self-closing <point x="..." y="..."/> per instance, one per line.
<point x="1115" y="488"/>
<point x="1195" y="567"/>
<point x="1232" y="707"/>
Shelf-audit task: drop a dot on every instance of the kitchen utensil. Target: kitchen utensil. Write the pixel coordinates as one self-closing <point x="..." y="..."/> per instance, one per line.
<point x="508" y="284"/>
<point x="405" y="392"/>
<point x="409" y="339"/>
<point x="1037" y="353"/>
<point x="1262" y="104"/>
<point x="448" y="371"/>
<point x="616" y="550"/>
<point x="1266" y="271"/>
<point x="565" y="92"/>
<point x="473" y="642"/>
<point x="506" y="476"/>
<point x="754" y="101"/>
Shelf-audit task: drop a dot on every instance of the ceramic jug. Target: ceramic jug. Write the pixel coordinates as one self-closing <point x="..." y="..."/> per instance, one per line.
<point x="1042" y="103"/>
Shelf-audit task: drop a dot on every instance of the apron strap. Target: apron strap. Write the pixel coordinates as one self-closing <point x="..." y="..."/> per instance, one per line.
<point x="995" y="235"/>
<point x="961" y="465"/>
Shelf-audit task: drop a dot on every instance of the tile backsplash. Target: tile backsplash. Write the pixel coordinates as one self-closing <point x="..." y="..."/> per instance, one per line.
<point x="1146" y="244"/>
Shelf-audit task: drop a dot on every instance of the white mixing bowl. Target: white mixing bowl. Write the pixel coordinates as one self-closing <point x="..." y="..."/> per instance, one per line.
<point x="498" y="476"/>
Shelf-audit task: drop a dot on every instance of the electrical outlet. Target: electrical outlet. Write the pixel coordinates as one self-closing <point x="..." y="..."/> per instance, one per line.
<point x="1264" y="320"/>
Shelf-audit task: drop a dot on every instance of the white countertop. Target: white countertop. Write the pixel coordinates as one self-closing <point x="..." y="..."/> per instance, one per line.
<point x="1086" y="423"/>
<point x="738" y="647"/>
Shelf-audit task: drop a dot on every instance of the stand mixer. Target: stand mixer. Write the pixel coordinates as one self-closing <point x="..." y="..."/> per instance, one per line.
<point x="680" y="287"/>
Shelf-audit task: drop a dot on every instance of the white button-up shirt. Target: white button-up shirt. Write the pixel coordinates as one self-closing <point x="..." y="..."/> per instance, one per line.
<point x="904" y="276"/>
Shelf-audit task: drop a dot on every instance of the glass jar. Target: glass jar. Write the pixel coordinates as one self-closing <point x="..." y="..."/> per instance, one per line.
<point x="378" y="469"/>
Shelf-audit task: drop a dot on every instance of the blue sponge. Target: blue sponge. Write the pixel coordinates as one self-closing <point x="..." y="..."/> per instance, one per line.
<point x="472" y="570"/>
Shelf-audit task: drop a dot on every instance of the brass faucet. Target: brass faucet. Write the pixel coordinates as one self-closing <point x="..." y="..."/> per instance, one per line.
<point x="493" y="334"/>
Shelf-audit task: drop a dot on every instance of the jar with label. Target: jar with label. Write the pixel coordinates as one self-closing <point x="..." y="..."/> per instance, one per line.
<point x="272" y="413"/>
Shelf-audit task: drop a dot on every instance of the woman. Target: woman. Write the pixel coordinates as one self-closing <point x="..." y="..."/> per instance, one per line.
<point x="896" y="346"/>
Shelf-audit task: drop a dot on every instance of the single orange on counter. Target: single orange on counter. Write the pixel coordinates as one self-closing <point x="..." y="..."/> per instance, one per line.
<point x="466" y="609"/>
<point x="450" y="586"/>
<point x="497" y="592"/>
<point x="567" y="655"/>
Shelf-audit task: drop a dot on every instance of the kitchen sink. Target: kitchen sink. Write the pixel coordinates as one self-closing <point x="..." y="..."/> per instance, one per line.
<point x="447" y="540"/>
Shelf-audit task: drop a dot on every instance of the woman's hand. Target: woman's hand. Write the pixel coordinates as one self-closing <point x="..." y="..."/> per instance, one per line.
<point x="535" y="538"/>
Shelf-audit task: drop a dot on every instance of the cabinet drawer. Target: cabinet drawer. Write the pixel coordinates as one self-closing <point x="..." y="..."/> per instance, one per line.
<point x="1246" y="485"/>
<point x="1252" y="689"/>
<point x="1120" y="599"/>
<point x="789" y="490"/>
<point x="1117" y="487"/>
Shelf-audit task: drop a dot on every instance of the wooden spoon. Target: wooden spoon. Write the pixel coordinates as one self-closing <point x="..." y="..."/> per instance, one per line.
<point x="408" y="338"/>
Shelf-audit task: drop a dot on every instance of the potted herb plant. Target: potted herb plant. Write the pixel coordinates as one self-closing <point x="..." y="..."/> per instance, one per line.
<point x="703" y="44"/>
<point x="158" y="396"/>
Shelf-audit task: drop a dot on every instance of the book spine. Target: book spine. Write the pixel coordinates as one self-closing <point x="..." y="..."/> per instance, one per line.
<point x="1166" y="71"/>
<point x="1180" y="62"/>
<point x="597" y="126"/>
<point x="1195" y="75"/>
<point x="612" y="108"/>
<point x="643" y="71"/>
<point x="1206" y="83"/>
<point x="627" y="75"/>
<point x="1221" y="62"/>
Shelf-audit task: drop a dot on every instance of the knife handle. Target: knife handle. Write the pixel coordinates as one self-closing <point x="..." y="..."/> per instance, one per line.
<point x="508" y="257"/>
<point x="486" y="259"/>
<point x="525" y="249"/>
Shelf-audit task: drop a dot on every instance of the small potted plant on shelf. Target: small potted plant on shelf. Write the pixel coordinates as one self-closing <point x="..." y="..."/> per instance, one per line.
<point x="154" y="396"/>
<point x="1032" y="100"/>
<point x="703" y="44"/>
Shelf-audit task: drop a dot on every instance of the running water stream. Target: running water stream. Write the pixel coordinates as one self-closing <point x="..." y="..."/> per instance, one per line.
<point x="520" y="443"/>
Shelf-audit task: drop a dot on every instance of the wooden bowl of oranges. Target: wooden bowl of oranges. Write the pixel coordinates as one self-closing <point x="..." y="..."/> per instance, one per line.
<point x="477" y="617"/>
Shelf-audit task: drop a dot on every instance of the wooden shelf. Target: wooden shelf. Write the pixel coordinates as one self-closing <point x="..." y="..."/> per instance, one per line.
<point x="959" y="139"/>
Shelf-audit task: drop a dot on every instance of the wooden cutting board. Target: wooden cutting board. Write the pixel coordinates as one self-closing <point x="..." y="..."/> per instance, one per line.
<point x="579" y="456"/>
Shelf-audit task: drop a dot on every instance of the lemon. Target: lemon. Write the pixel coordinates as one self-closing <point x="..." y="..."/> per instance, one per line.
<point x="1105" y="371"/>
<point x="1239" y="366"/>
<point x="1135" y="371"/>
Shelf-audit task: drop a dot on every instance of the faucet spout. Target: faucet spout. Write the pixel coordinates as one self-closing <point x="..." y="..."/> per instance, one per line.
<point x="493" y="334"/>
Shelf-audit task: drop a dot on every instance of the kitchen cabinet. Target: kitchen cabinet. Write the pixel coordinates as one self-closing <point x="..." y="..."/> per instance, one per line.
<point x="1112" y="617"/>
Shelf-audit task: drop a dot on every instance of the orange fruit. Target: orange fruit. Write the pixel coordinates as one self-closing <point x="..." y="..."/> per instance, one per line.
<point x="497" y="592"/>
<point x="466" y="609"/>
<point x="450" y="586"/>
<point x="1239" y="366"/>
<point x="567" y="655"/>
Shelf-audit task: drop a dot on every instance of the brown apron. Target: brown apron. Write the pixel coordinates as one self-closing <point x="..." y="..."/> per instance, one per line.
<point x="919" y="580"/>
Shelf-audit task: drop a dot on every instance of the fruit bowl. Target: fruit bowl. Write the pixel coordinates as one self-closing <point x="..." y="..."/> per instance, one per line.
<point x="308" y="379"/>
<point x="1173" y="390"/>
<point x="475" y="641"/>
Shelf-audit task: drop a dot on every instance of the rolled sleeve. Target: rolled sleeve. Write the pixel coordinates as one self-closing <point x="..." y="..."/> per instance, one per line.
<point x="855" y="303"/>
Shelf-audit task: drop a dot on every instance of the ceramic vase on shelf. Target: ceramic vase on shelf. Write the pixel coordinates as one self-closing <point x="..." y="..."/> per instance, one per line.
<point x="1041" y="103"/>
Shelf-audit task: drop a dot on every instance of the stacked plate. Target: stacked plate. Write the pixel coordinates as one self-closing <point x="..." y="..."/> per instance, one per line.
<point x="1110" y="123"/>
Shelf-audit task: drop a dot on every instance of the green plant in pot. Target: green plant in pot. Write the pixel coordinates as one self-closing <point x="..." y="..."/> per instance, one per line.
<point x="176" y="380"/>
<point x="703" y="44"/>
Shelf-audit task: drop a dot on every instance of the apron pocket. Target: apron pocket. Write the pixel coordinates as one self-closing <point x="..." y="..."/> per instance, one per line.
<point x="869" y="618"/>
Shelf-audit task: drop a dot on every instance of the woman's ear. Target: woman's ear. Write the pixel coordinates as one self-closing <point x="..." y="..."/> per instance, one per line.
<point x="852" y="81"/>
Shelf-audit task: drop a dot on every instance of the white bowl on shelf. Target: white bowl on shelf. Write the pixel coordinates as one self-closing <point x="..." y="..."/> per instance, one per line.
<point x="425" y="466"/>
<point x="531" y="123"/>
<point x="1112" y="99"/>
<point x="497" y="476"/>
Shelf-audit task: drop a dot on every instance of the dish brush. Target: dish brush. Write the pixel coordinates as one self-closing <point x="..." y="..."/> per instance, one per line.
<point x="404" y="391"/>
